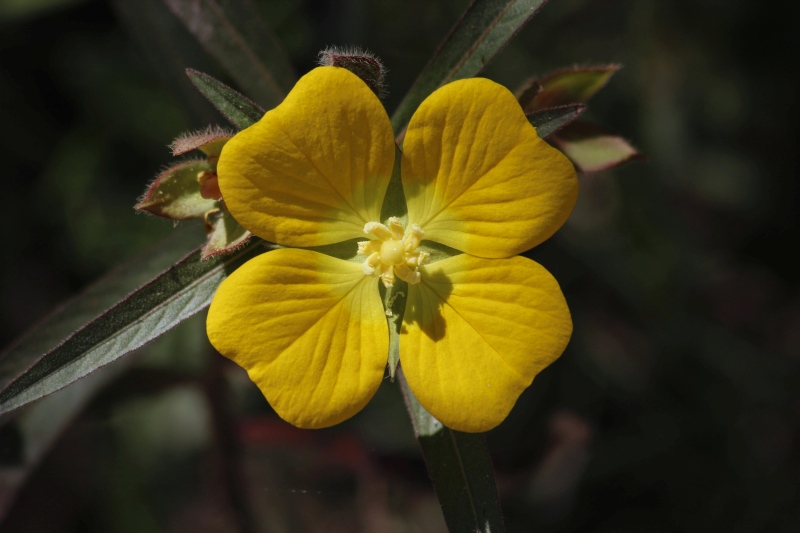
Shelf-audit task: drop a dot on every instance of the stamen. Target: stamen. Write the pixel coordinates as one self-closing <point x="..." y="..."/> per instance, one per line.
<point x="371" y="263"/>
<point x="406" y="274"/>
<point x="413" y="237"/>
<point x="378" y="230"/>
<point x="397" y="228"/>
<point x="393" y="252"/>
<point x="387" y="277"/>
<point x="417" y="259"/>
<point x="369" y="247"/>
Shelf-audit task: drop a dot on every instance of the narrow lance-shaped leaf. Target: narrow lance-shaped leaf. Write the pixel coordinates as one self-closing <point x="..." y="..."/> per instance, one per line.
<point x="46" y="360"/>
<point x="240" y="110"/>
<point x="549" y="121"/>
<point x="242" y="42"/>
<point x="461" y="470"/>
<point x="483" y="30"/>
<point x="54" y="329"/>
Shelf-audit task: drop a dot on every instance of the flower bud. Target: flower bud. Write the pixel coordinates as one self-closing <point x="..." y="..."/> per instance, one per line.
<point x="361" y="63"/>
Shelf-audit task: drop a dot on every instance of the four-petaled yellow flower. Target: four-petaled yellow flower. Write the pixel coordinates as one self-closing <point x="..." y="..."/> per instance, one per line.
<point x="311" y="330"/>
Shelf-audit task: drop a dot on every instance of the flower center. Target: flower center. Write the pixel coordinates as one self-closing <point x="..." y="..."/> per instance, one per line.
<point x="392" y="252"/>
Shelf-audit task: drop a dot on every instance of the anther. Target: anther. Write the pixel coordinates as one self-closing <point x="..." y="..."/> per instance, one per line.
<point x="392" y="252"/>
<point x="372" y="262"/>
<point x="369" y="247"/>
<point x="413" y="237"/>
<point x="417" y="259"/>
<point x="397" y="228"/>
<point x="406" y="274"/>
<point x="378" y="230"/>
<point x="387" y="277"/>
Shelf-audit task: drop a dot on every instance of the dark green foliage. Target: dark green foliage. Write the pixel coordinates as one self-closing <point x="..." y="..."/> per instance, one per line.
<point x="672" y="409"/>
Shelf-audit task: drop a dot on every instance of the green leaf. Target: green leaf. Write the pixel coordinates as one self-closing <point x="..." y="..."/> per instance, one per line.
<point x="240" y="110"/>
<point x="104" y="324"/>
<point x="175" y="194"/>
<point x="460" y="467"/>
<point x="571" y="86"/>
<point x="549" y="121"/>
<point x="483" y="30"/>
<point x="592" y="148"/>
<point x="96" y="299"/>
<point x="242" y="42"/>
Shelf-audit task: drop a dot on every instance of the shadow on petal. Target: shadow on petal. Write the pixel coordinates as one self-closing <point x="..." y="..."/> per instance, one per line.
<point x="425" y="302"/>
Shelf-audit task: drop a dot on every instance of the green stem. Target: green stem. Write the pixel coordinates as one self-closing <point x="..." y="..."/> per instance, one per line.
<point x="460" y="468"/>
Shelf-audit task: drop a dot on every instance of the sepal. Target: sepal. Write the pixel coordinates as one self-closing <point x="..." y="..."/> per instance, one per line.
<point x="552" y="106"/>
<point x="209" y="141"/>
<point x="175" y="193"/>
<point x="549" y="121"/>
<point x="224" y="234"/>
<point x="592" y="148"/>
<point x="570" y="86"/>
<point x="190" y="190"/>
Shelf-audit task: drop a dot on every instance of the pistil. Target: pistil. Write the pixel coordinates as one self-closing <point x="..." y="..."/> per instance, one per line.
<point x="392" y="252"/>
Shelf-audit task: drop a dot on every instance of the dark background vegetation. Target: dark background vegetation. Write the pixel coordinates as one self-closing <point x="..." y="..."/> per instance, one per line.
<point x="674" y="407"/>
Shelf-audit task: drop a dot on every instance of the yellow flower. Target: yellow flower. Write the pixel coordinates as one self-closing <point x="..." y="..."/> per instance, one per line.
<point x="311" y="330"/>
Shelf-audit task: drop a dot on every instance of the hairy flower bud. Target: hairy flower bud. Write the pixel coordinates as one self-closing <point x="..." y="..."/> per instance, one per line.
<point x="361" y="63"/>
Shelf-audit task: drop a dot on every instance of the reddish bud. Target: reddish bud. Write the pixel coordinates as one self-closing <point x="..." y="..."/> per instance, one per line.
<point x="361" y="63"/>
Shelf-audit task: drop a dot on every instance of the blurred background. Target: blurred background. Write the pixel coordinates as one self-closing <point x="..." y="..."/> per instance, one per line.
<point x="673" y="408"/>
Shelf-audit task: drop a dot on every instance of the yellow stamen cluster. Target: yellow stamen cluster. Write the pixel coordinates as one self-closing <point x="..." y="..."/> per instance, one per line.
<point x="392" y="252"/>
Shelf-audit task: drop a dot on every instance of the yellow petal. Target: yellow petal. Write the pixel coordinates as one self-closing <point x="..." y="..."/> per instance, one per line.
<point x="476" y="332"/>
<point x="310" y="331"/>
<point x="478" y="178"/>
<point x="315" y="169"/>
